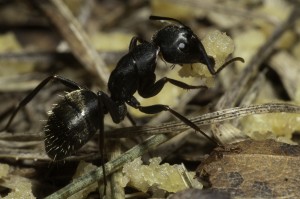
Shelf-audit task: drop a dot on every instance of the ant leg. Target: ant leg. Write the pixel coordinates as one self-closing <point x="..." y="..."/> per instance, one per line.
<point x="72" y="85"/>
<point x="159" y="18"/>
<point x="117" y="113"/>
<point x="130" y="118"/>
<point x="159" y="108"/>
<point x="151" y="89"/>
<point x="102" y="137"/>
<point x="133" y="42"/>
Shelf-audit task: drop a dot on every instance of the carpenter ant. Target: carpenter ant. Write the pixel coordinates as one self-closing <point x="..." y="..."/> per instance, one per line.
<point x="80" y="114"/>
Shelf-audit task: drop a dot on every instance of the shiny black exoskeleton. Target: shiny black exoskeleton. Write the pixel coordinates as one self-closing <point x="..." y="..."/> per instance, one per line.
<point x="79" y="115"/>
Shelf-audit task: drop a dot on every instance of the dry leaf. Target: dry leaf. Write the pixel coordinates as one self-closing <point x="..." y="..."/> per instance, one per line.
<point x="198" y="193"/>
<point x="254" y="169"/>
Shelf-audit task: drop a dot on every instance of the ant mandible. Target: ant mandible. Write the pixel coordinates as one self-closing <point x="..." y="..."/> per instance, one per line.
<point x="80" y="113"/>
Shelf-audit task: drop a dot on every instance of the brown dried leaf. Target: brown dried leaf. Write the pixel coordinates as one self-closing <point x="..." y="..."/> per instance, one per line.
<point x="260" y="169"/>
<point x="199" y="193"/>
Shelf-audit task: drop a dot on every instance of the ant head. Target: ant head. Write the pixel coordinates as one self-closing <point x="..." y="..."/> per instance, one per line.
<point x="179" y="45"/>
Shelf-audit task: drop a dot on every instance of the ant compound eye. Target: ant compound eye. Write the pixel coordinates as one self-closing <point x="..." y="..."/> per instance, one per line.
<point x="183" y="47"/>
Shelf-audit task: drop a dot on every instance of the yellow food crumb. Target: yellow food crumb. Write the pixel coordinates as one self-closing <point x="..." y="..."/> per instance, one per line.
<point x="219" y="46"/>
<point x="278" y="125"/>
<point x="4" y="169"/>
<point x="20" y="188"/>
<point x="165" y="176"/>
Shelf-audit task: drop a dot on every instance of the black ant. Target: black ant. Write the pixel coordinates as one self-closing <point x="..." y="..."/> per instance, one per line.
<point x="80" y="114"/>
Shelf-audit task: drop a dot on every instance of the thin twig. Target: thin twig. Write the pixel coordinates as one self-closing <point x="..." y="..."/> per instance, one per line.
<point x="117" y="191"/>
<point x="50" y="56"/>
<point x="22" y="154"/>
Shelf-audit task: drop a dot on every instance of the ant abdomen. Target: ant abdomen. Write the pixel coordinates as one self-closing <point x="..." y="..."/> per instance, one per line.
<point x="71" y="124"/>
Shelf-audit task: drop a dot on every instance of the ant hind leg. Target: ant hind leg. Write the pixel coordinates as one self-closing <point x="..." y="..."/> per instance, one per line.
<point x="157" y="108"/>
<point x="70" y="84"/>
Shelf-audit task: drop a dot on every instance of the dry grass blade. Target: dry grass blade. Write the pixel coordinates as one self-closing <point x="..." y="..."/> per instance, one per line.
<point x="117" y="191"/>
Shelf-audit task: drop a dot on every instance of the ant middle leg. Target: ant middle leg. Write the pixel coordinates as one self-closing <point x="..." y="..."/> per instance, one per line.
<point x="117" y="113"/>
<point x="70" y="84"/>
<point x="150" y="89"/>
<point x="101" y="139"/>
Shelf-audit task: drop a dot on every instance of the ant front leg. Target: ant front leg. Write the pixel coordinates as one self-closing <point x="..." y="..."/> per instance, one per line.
<point x="70" y="84"/>
<point x="150" y="88"/>
<point x="157" y="108"/>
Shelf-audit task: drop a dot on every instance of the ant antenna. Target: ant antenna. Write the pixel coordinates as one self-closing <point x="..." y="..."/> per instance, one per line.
<point x="153" y="17"/>
<point x="213" y="72"/>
